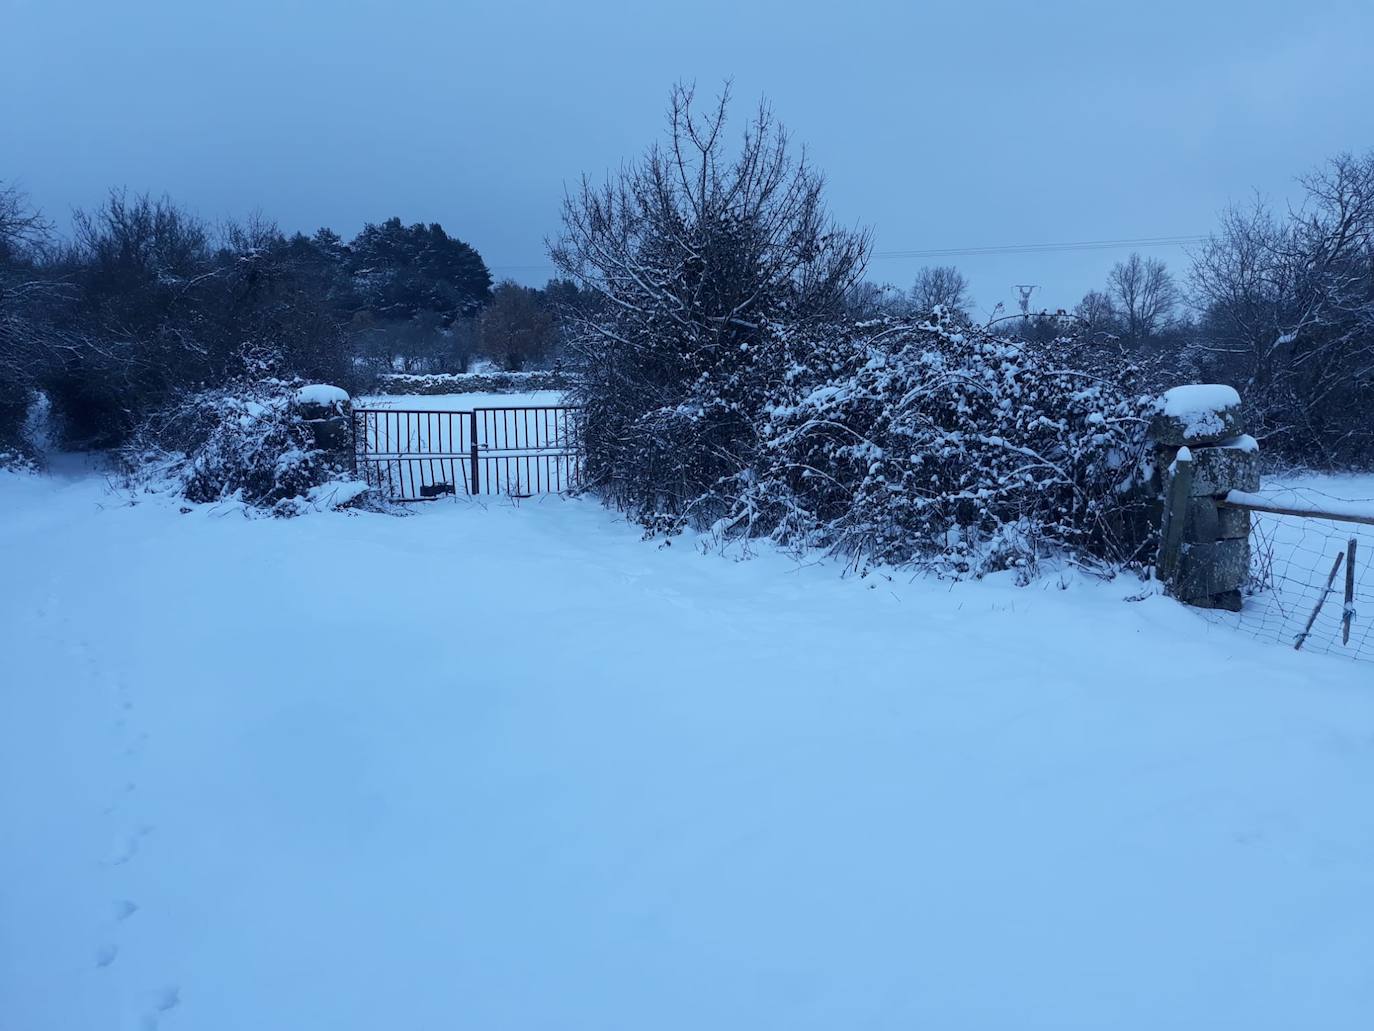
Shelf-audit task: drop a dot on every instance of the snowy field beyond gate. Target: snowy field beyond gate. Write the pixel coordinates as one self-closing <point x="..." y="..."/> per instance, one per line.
<point x="509" y="767"/>
<point x="461" y="402"/>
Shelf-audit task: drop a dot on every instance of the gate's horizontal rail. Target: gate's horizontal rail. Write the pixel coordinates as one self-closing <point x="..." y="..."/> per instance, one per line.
<point x="1259" y="503"/>
<point x="417" y="455"/>
<point x="529" y="408"/>
<point x="413" y="411"/>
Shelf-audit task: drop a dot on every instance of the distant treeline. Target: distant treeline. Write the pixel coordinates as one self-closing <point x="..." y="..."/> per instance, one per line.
<point x="1279" y="304"/>
<point x="144" y="303"/>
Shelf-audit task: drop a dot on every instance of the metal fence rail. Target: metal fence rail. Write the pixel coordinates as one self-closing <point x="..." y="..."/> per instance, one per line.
<point x="423" y="454"/>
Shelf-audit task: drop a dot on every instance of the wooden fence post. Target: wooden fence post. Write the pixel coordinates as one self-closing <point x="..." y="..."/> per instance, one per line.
<point x="1175" y="515"/>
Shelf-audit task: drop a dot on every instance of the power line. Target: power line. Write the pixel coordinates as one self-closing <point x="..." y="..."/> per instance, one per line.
<point x="955" y="252"/>
<point x="1043" y="248"/>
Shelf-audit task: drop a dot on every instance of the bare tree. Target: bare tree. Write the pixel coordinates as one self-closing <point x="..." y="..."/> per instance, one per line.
<point x="142" y="236"/>
<point x="254" y="234"/>
<point x="942" y="286"/>
<point x="1144" y="294"/>
<point x="24" y="330"/>
<point x="1288" y="313"/>
<point x="1096" y="312"/>
<point x="517" y="326"/>
<point x="697" y="255"/>
<point x="20" y="225"/>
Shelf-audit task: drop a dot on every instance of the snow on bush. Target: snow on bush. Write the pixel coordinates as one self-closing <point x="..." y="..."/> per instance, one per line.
<point x="950" y="446"/>
<point x="254" y="450"/>
<point x="22" y="449"/>
<point x="723" y="380"/>
<point x="242" y="442"/>
<point x="15" y="400"/>
<point x="929" y="444"/>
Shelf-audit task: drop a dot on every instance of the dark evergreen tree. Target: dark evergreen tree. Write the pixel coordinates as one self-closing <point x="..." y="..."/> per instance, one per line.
<point x="402" y="271"/>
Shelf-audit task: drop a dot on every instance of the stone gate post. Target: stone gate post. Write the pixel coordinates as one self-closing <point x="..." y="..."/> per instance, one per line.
<point x="1203" y="452"/>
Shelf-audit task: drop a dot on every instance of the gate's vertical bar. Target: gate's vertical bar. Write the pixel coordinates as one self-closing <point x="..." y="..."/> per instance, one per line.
<point x="430" y="423"/>
<point x="475" y="483"/>
<point x="1348" y="613"/>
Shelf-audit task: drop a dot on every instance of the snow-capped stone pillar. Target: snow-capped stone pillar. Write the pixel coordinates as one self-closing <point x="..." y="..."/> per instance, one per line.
<point x="328" y="413"/>
<point x="1203" y="451"/>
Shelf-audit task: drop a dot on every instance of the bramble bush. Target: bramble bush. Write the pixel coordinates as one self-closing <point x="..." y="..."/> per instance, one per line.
<point x="241" y="442"/>
<point x="945" y="445"/>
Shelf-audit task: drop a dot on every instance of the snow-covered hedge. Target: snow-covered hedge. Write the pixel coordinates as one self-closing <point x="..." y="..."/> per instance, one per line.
<point x="254" y="450"/>
<point x="243" y="443"/>
<point x="951" y="446"/>
<point x="934" y="444"/>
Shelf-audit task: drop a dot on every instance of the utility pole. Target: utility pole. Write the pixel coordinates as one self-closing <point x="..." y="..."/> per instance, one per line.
<point x="1026" y="289"/>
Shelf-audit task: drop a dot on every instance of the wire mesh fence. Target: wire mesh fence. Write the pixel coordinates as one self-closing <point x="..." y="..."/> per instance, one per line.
<point x="1312" y="578"/>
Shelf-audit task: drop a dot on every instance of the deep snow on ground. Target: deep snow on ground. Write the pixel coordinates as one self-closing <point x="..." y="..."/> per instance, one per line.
<point x="511" y="767"/>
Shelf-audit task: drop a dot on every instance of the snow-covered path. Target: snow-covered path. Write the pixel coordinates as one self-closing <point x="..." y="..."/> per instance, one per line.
<point x="513" y="768"/>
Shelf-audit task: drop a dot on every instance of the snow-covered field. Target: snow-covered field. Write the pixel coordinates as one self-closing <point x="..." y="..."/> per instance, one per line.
<point x="510" y="767"/>
<point x="460" y="402"/>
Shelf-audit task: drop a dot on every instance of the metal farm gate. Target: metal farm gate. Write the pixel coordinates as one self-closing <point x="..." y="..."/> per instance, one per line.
<point x="423" y="454"/>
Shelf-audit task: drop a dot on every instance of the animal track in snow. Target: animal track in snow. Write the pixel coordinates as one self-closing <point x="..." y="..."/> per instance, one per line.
<point x="167" y="999"/>
<point x="128" y="789"/>
<point x="105" y="955"/>
<point x="125" y="908"/>
<point x="127" y="848"/>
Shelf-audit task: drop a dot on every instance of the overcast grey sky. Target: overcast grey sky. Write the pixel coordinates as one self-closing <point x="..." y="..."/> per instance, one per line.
<point x="939" y="125"/>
